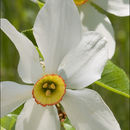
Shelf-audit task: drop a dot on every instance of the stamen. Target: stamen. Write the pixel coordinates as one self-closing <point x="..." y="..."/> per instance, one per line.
<point x="61" y="113"/>
<point x="52" y="86"/>
<point x="45" y="85"/>
<point x="48" y="92"/>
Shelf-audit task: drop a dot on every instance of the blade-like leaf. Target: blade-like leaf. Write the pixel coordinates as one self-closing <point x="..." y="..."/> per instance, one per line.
<point x="8" y="122"/>
<point x="67" y="125"/>
<point x="114" y="79"/>
<point x="18" y="110"/>
<point x="1" y="128"/>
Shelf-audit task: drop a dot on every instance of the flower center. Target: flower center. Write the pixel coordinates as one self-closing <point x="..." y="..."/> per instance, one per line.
<point x="80" y="2"/>
<point x="49" y="90"/>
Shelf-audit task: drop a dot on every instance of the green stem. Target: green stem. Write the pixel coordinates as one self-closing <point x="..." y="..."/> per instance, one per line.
<point x="111" y="89"/>
<point x="40" y="4"/>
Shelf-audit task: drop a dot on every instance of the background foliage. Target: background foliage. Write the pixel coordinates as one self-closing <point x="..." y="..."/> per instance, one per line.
<point x="22" y="13"/>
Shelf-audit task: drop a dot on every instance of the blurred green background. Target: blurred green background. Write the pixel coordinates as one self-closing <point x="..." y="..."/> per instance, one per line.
<point x="22" y="13"/>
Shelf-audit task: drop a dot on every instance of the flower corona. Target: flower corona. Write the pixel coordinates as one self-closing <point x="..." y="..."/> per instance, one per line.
<point x="49" y="90"/>
<point x="80" y="2"/>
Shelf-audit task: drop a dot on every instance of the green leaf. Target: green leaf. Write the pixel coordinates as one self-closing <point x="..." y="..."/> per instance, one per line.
<point x="1" y="128"/>
<point x="8" y="122"/>
<point x="67" y="125"/>
<point x="114" y="79"/>
<point x="18" y="110"/>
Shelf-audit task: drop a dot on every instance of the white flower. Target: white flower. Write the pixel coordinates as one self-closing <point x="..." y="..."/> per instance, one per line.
<point x="93" y="20"/>
<point x="72" y="63"/>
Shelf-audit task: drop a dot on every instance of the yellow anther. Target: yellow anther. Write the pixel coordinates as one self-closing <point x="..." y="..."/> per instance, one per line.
<point x="48" y="92"/>
<point x="45" y="85"/>
<point x="52" y="86"/>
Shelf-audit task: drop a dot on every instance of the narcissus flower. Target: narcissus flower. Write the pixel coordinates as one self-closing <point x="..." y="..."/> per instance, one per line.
<point x="72" y="62"/>
<point x="93" y="20"/>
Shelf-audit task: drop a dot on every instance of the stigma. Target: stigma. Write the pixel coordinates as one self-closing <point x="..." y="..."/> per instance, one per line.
<point x="49" y="90"/>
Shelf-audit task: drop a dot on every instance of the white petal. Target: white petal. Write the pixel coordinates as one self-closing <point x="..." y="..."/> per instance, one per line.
<point x="87" y="111"/>
<point x="36" y="117"/>
<point x="29" y="67"/>
<point x="83" y="65"/>
<point x="116" y="7"/>
<point x="92" y="20"/>
<point x="13" y="95"/>
<point x="57" y="30"/>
